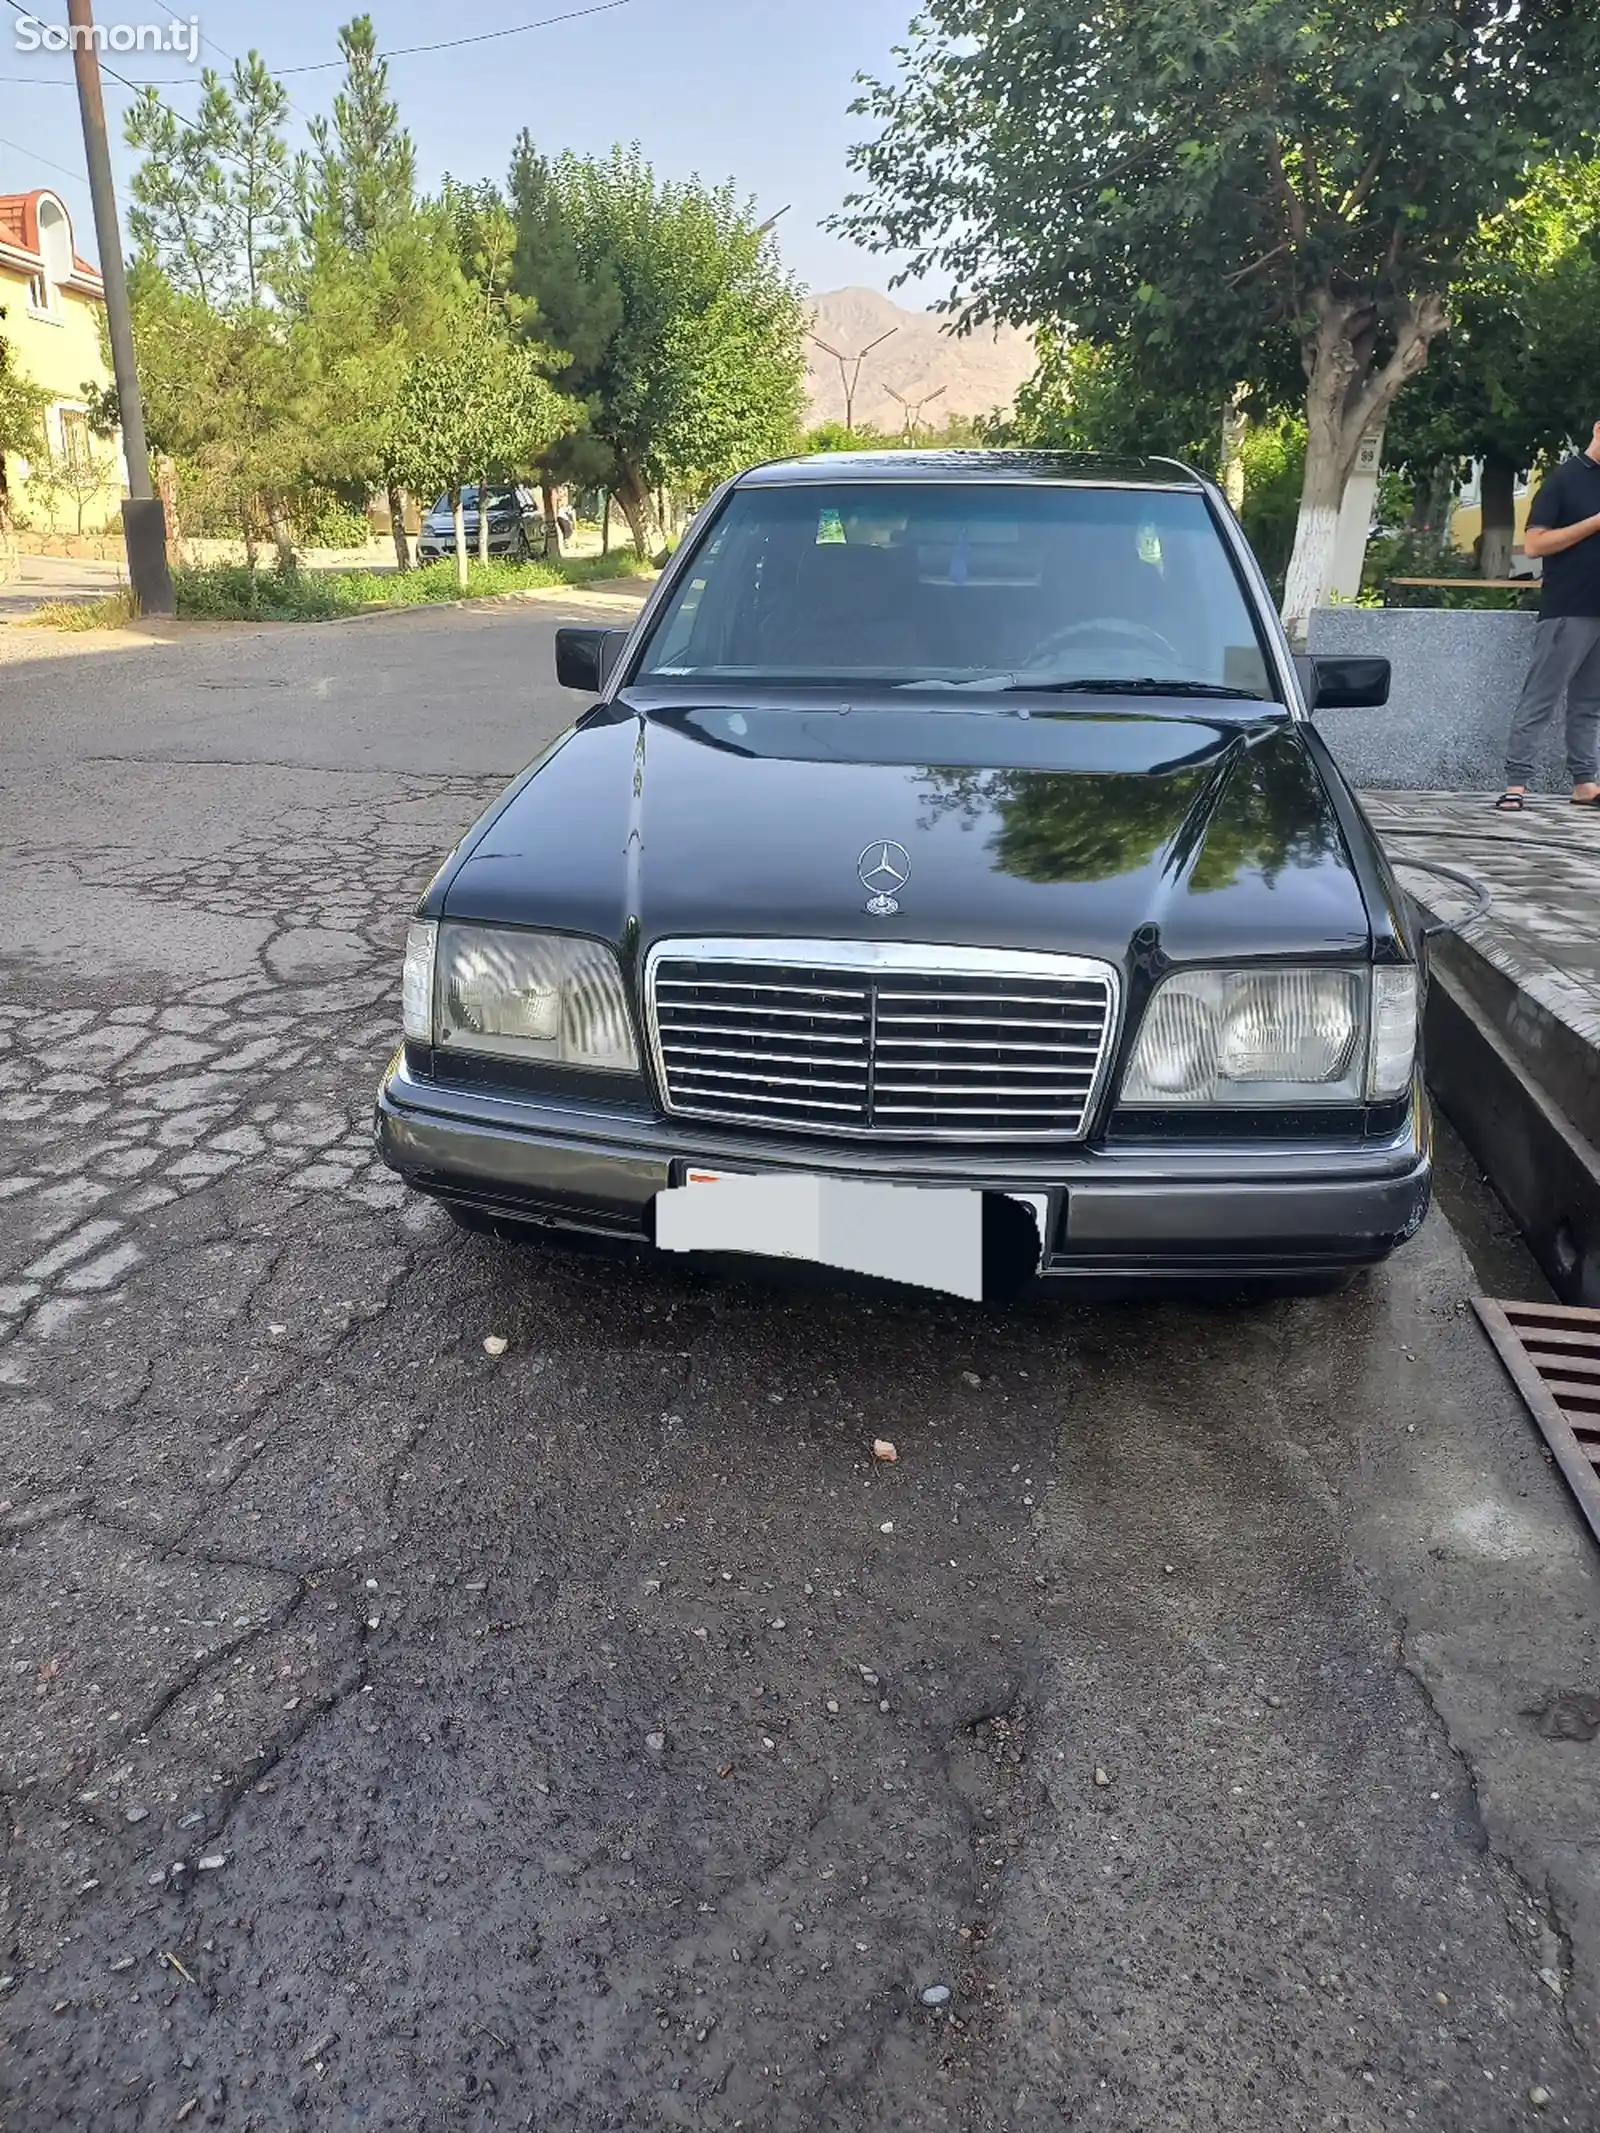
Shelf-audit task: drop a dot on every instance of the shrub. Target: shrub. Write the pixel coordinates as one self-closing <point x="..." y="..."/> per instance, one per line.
<point x="231" y="592"/>
<point x="333" y="522"/>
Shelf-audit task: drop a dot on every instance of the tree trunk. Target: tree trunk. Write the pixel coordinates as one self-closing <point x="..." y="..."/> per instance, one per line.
<point x="1498" y="490"/>
<point x="483" y="518"/>
<point x="605" y="522"/>
<point x="552" y="530"/>
<point x="282" y="536"/>
<point x="634" y="496"/>
<point x="1347" y="394"/>
<point x="1315" y="535"/>
<point x="397" y="527"/>
<point x="458" y="519"/>
<point x="167" y="490"/>
<point x="1235" y="427"/>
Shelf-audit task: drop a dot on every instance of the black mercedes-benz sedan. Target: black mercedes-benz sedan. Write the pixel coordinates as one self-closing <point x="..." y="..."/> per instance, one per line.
<point x="944" y="881"/>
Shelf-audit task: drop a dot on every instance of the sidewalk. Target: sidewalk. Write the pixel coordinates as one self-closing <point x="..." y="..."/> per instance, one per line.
<point x="40" y="578"/>
<point x="1514" y="1009"/>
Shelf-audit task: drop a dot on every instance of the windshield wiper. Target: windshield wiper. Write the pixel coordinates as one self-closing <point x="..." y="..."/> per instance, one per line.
<point x="1140" y="685"/>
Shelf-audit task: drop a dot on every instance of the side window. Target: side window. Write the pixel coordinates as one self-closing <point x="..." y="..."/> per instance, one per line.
<point x="679" y="638"/>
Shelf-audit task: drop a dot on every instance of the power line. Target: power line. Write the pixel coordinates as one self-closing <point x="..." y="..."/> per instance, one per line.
<point x="36" y="81"/>
<point x="229" y="57"/>
<point x="32" y="155"/>
<point x="204" y="39"/>
<point x="188" y="125"/>
<point x="453" y="44"/>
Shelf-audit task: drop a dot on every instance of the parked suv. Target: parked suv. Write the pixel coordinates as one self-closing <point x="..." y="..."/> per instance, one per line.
<point x="516" y="525"/>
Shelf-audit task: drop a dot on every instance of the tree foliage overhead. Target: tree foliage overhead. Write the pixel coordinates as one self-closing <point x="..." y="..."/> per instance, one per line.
<point x="216" y="202"/>
<point x="1515" y="380"/>
<point x="1202" y="176"/>
<point x="683" y="335"/>
<point x="363" y="184"/>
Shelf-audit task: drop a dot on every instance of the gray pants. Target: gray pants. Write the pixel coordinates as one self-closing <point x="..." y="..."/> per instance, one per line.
<point x="1566" y="658"/>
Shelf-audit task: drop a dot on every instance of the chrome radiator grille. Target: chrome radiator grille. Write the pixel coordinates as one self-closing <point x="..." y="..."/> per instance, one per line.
<point x="952" y="1043"/>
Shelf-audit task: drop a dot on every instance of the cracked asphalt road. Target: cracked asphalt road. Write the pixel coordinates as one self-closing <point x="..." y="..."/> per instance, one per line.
<point x="595" y="1736"/>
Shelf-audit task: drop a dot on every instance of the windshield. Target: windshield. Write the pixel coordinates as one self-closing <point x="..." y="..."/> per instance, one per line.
<point x="950" y="585"/>
<point x="499" y="500"/>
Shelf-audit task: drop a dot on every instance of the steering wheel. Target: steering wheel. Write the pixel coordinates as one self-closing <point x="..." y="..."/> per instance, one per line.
<point x="1108" y="631"/>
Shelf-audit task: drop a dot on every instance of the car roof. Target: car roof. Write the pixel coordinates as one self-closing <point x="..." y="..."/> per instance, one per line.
<point x="1087" y="469"/>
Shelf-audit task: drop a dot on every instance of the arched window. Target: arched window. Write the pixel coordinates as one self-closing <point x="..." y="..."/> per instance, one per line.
<point x="55" y="247"/>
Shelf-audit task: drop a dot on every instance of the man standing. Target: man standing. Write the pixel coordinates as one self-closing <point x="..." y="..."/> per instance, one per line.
<point x="1562" y="526"/>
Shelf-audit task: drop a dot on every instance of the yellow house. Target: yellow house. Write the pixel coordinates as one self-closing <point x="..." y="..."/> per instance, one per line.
<point x="54" y="302"/>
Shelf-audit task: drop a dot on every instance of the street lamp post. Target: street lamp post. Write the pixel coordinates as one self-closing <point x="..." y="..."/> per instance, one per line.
<point x="850" y="379"/>
<point x="913" y="408"/>
<point x="144" y="526"/>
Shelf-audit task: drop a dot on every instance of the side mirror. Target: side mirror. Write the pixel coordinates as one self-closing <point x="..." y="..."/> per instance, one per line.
<point x="587" y="658"/>
<point x="1349" y="684"/>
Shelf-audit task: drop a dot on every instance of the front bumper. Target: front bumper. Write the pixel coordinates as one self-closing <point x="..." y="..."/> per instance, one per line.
<point x="1217" y="1211"/>
<point x="433" y="548"/>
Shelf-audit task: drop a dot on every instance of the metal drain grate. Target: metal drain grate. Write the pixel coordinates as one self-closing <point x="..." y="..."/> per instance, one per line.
<point x="1553" y="1354"/>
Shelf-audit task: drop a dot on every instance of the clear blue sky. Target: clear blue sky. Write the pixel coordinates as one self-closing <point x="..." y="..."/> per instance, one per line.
<point x="755" y="90"/>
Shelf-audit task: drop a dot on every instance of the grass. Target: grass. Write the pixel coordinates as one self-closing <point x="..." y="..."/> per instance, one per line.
<point x="108" y="614"/>
<point x="228" y="592"/>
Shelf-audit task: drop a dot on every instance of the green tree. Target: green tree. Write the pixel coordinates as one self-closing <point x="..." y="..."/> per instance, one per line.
<point x="1103" y="400"/>
<point x="362" y="318"/>
<point x="82" y="476"/>
<point x="575" y="304"/>
<point x="1515" y="381"/>
<point x="22" y="406"/>
<point x="381" y="284"/>
<point x="225" y="396"/>
<point x="483" y="408"/>
<point x="216" y="201"/>
<point x="1084" y="398"/>
<point x="217" y="205"/>
<point x="486" y="242"/>
<point x="1203" y="178"/>
<point x="364" y="168"/>
<point x="683" y="334"/>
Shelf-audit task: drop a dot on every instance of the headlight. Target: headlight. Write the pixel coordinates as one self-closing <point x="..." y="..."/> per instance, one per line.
<point x="1228" y="1037"/>
<point x="534" y="996"/>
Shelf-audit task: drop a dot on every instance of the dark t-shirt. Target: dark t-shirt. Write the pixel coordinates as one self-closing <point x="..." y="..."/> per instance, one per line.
<point x="1571" y="579"/>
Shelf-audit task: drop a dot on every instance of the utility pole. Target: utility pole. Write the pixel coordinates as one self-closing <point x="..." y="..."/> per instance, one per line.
<point x="144" y="524"/>
<point x="851" y="380"/>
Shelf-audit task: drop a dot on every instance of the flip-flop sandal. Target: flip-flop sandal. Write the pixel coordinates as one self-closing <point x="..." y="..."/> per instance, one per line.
<point x="1512" y="803"/>
<point x="1592" y="801"/>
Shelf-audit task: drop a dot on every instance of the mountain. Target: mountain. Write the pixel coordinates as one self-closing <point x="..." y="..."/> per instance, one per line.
<point x="977" y="373"/>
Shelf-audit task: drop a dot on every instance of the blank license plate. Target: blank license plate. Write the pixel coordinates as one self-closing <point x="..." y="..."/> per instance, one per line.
<point x="928" y="1235"/>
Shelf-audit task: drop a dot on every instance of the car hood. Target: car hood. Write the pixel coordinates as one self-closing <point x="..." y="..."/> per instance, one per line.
<point x="1106" y="827"/>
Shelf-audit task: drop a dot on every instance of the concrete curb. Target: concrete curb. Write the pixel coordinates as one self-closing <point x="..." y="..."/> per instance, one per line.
<point x="1533" y="1155"/>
